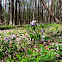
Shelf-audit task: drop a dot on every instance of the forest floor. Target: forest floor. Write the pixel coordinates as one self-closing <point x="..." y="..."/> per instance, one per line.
<point x="50" y="39"/>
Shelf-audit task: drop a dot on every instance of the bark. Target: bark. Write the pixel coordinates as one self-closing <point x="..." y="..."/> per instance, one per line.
<point x="11" y="13"/>
<point x="15" y="14"/>
<point x="49" y="11"/>
<point x="5" y="11"/>
<point x="60" y="10"/>
<point x="24" y="11"/>
<point x="38" y="11"/>
<point x="29" y="12"/>
<point x="42" y="13"/>
<point x="0" y="12"/>
<point x="19" y="12"/>
<point x="33" y="9"/>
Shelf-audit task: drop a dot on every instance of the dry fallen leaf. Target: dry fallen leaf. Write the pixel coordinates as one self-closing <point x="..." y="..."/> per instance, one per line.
<point x="48" y="40"/>
<point x="46" y="47"/>
<point x="57" y="55"/>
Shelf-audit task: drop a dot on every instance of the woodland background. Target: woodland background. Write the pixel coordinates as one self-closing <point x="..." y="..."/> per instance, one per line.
<point x="17" y="12"/>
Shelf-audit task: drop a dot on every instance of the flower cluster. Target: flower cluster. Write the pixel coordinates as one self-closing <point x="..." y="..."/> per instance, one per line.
<point x="42" y="30"/>
<point x="32" y="23"/>
<point x="12" y="36"/>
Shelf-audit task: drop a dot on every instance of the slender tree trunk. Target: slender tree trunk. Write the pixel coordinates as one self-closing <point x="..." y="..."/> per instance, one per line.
<point x="60" y="10"/>
<point x="19" y="12"/>
<point x="38" y="11"/>
<point x="29" y="12"/>
<point x="33" y="9"/>
<point x="0" y="12"/>
<point x="49" y="11"/>
<point x="23" y="12"/>
<point x="5" y="11"/>
<point x="15" y="14"/>
<point x="14" y="17"/>
<point x="30" y="9"/>
<point x="11" y="13"/>
<point x="26" y="12"/>
<point x="42" y="13"/>
<point x="5" y="14"/>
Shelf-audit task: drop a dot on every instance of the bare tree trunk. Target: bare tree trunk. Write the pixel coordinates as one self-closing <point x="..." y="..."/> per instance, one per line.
<point x="42" y="13"/>
<point x="19" y="12"/>
<point x="15" y="13"/>
<point x="24" y="11"/>
<point x="11" y="13"/>
<point x="60" y="10"/>
<point x="29" y="12"/>
<point x="38" y="11"/>
<point x="33" y="9"/>
<point x="49" y="11"/>
<point x="0" y="12"/>
<point x="14" y="17"/>
<point x="5" y="11"/>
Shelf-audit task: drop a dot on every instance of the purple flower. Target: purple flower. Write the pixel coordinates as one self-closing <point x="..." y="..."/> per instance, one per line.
<point x="10" y="37"/>
<point x="6" y="38"/>
<point x="3" y="43"/>
<point x="42" y="30"/>
<point x="34" y="32"/>
<point x="13" y="36"/>
<point x="32" y="23"/>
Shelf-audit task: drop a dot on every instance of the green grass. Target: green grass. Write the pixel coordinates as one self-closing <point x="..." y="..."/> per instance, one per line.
<point x="7" y="26"/>
<point x="31" y="53"/>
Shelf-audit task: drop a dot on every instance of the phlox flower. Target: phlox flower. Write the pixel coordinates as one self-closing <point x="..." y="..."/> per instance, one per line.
<point x="32" y="23"/>
<point x="13" y="36"/>
<point x="42" y="30"/>
<point x="6" y="38"/>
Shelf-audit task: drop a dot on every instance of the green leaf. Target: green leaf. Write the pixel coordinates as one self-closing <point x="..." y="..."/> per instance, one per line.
<point x="31" y="35"/>
<point x="22" y="45"/>
<point x="18" y="56"/>
<point x="49" y="46"/>
<point x="23" y="60"/>
<point x="29" y="51"/>
<point x="37" y="60"/>
<point x="1" y="55"/>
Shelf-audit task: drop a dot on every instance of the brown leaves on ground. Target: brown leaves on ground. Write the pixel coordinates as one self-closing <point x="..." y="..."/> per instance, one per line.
<point x="46" y="47"/>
